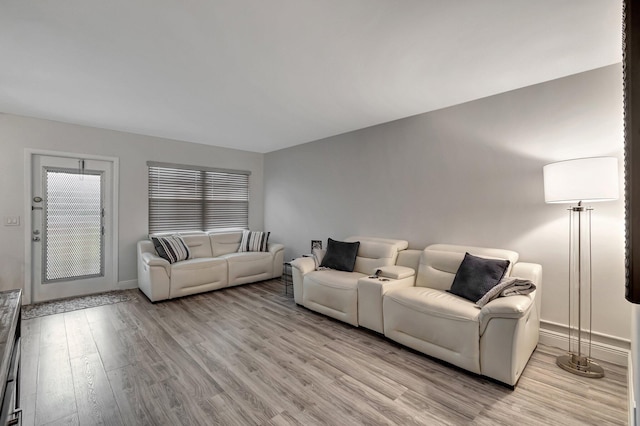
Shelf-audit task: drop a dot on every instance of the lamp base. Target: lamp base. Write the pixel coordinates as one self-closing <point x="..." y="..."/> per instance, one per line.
<point x="580" y="365"/>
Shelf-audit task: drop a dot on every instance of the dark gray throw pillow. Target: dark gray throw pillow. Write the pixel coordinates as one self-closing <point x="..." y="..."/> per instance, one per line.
<point x="476" y="276"/>
<point x="340" y="255"/>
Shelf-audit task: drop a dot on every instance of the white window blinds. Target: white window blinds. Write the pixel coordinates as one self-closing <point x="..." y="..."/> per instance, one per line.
<point x="186" y="198"/>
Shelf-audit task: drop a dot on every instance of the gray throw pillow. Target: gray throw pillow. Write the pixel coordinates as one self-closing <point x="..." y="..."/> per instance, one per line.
<point x="340" y="255"/>
<point x="477" y="275"/>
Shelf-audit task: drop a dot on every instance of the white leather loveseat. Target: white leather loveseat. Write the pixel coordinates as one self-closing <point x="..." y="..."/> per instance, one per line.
<point x="417" y="311"/>
<point x="215" y="263"/>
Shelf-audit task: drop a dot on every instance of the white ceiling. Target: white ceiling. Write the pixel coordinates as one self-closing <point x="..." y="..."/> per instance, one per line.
<point x="264" y="75"/>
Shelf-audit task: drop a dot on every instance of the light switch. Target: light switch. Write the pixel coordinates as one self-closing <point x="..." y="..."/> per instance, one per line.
<point x="12" y="221"/>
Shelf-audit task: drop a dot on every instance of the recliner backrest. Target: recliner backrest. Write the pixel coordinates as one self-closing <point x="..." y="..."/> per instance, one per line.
<point x="376" y="252"/>
<point x="198" y="243"/>
<point x="225" y="242"/>
<point x="440" y="262"/>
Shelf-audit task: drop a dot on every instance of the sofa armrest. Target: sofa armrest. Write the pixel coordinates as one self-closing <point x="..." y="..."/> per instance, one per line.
<point x="371" y="292"/>
<point x="511" y="307"/>
<point x="153" y="260"/>
<point x="274" y="247"/>
<point x="277" y="253"/>
<point x="528" y="271"/>
<point x="299" y="268"/>
<point x="153" y="272"/>
<point x="304" y="265"/>
<point x="396" y="272"/>
<point x="533" y="273"/>
<point x="509" y="330"/>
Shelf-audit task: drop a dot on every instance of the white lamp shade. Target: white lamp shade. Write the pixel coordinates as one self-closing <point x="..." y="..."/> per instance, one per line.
<point x="584" y="179"/>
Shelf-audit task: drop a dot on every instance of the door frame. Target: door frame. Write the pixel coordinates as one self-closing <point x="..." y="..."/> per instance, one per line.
<point x="29" y="153"/>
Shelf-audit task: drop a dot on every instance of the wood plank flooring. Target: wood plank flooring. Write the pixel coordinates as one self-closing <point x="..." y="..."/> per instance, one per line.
<point x="249" y="356"/>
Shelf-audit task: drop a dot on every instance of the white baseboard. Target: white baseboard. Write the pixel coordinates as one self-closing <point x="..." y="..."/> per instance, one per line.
<point x="126" y="285"/>
<point x="603" y="347"/>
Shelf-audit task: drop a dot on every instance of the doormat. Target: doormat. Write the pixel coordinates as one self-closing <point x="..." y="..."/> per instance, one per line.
<point x="74" y="303"/>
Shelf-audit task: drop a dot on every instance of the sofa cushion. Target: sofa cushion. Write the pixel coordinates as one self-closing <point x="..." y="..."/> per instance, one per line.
<point x="332" y="293"/>
<point x="334" y="278"/>
<point x="253" y="241"/>
<point x="435" y="302"/>
<point x="477" y="275"/>
<point x="434" y="322"/>
<point x="249" y="267"/>
<point x="340" y="255"/>
<point x="196" y="264"/>
<point x="198" y="272"/>
<point x="171" y="248"/>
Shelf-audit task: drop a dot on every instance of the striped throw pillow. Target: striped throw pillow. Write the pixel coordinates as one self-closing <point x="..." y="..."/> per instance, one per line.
<point x="254" y="241"/>
<point x="172" y="248"/>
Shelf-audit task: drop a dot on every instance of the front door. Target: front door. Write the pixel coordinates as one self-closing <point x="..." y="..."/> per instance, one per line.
<point x="71" y="204"/>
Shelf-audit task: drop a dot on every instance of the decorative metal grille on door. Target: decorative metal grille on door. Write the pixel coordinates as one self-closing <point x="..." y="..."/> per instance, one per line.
<point x="73" y="237"/>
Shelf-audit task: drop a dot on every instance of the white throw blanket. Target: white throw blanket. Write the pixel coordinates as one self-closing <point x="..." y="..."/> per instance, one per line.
<point x="509" y="286"/>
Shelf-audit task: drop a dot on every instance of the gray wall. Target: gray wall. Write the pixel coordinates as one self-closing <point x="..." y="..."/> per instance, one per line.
<point x="19" y="133"/>
<point x="469" y="174"/>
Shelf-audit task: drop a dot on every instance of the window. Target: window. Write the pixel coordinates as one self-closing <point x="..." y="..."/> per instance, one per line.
<point x="190" y="198"/>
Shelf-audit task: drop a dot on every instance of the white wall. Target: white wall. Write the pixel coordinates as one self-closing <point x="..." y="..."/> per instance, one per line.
<point x="469" y="174"/>
<point x="19" y="133"/>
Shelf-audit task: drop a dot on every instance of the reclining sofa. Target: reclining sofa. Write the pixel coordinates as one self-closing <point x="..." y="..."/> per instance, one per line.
<point x="335" y="293"/>
<point x="215" y="263"/>
<point x="409" y="303"/>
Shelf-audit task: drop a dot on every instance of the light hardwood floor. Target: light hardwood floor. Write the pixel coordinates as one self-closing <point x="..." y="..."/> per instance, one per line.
<point x="248" y="355"/>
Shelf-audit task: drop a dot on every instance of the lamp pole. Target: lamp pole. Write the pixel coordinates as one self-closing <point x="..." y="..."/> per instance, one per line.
<point x="574" y="361"/>
<point x="580" y="180"/>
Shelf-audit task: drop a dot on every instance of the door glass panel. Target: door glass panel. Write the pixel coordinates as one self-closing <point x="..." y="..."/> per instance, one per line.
<point x="73" y="240"/>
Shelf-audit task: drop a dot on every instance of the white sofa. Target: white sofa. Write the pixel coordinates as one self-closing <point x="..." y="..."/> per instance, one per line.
<point x="335" y="293"/>
<point x="417" y="311"/>
<point x="215" y="263"/>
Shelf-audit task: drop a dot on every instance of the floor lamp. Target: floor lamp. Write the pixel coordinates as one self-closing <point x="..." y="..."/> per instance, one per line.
<point x="575" y="182"/>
